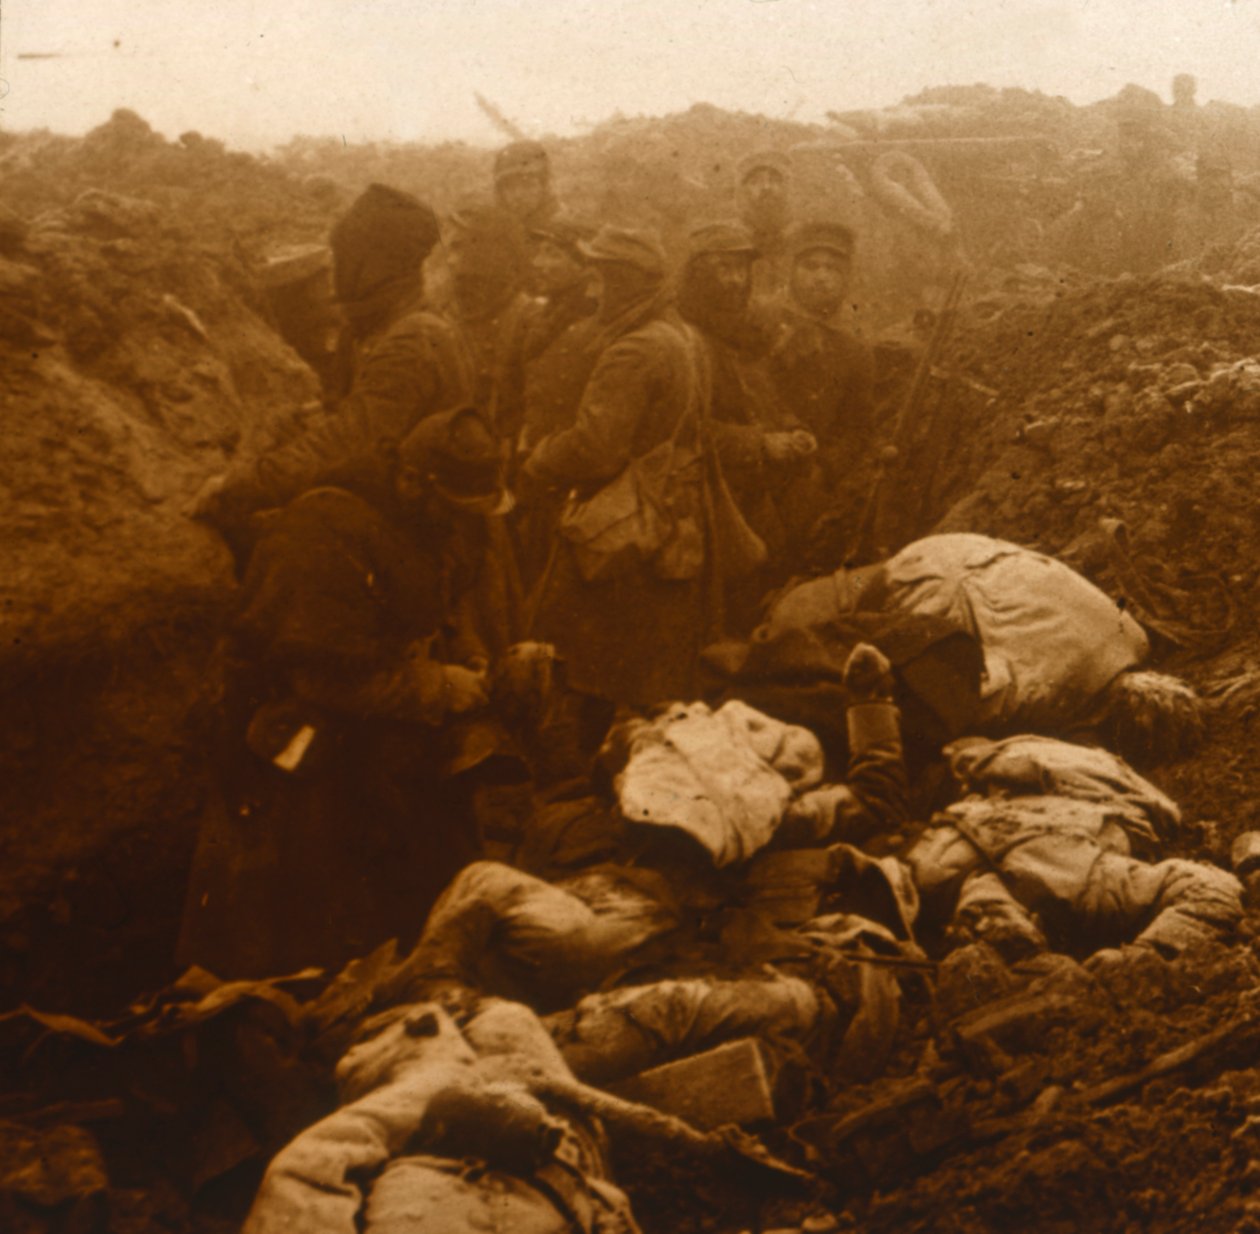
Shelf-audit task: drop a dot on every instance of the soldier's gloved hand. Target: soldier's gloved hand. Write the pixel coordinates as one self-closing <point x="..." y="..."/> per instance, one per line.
<point x="522" y="678"/>
<point x="804" y="444"/>
<point x="230" y="504"/>
<point x="206" y="504"/>
<point x="868" y="674"/>
<point x="785" y="447"/>
<point x="810" y="818"/>
<point x="464" y="690"/>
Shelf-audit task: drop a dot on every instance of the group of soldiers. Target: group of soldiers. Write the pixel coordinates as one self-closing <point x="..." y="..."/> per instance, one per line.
<point x="512" y="371"/>
<point x="1166" y="192"/>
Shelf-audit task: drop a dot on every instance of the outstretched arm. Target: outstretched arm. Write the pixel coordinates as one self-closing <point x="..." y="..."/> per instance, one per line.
<point x="873" y="799"/>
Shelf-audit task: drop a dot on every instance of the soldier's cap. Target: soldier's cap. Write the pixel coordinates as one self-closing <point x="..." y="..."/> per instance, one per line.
<point x="775" y="160"/>
<point x="630" y="246"/>
<point x="726" y="236"/>
<point x="382" y="218"/>
<point x="457" y="451"/>
<point x="522" y="158"/>
<point x="821" y="234"/>
<point x="565" y="232"/>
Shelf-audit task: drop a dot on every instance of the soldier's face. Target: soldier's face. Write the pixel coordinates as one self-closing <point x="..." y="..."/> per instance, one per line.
<point x="522" y="195"/>
<point x="730" y="277"/>
<point x="479" y="265"/>
<point x="763" y="200"/>
<point x="765" y="188"/>
<point x="820" y="279"/>
<point x="554" y="268"/>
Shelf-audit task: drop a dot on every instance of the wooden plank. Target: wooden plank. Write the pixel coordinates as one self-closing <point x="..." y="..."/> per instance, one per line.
<point x="731" y="1083"/>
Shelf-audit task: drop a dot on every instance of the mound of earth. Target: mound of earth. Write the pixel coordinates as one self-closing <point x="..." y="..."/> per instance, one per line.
<point x="136" y="360"/>
<point x="1134" y="399"/>
<point x="214" y="192"/>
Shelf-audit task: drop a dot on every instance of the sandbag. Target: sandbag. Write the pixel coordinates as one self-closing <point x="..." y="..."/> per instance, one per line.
<point x="903" y="184"/>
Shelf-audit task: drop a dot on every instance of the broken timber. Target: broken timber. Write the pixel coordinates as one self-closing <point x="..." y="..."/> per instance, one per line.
<point x="731" y="1083"/>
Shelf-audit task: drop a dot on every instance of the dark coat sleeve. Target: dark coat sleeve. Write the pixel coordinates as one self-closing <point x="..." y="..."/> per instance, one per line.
<point x="338" y="603"/>
<point x="876" y="801"/>
<point x="872" y="801"/>
<point x="627" y="379"/>
<point x="852" y="430"/>
<point x="415" y="369"/>
<point x="740" y="448"/>
<point x="858" y="402"/>
<point x="746" y="406"/>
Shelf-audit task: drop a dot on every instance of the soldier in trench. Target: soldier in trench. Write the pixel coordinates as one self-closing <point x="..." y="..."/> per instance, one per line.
<point x="408" y="362"/>
<point x="632" y="637"/>
<point x="487" y="303"/>
<point x="355" y="662"/>
<point x="522" y="184"/>
<point x="763" y="203"/>
<point x="827" y="376"/>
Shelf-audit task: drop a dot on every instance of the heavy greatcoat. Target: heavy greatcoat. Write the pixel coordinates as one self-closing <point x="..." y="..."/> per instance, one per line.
<point x="635" y="639"/>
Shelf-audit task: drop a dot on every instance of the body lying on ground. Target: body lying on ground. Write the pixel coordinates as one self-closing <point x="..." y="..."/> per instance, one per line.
<point x="446" y="1128"/>
<point x="1060" y="656"/>
<point x="1058" y="846"/>
<point x="709" y="871"/>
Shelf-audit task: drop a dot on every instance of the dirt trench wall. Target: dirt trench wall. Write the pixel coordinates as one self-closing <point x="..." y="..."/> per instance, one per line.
<point x="135" y="362"/>
<point x="1136" y="399"/>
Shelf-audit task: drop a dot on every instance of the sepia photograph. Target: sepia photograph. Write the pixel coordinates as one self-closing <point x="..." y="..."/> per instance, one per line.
<point x="629" y="617"/>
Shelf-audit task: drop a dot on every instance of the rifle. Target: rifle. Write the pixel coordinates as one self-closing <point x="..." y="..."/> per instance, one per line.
<point x="499" y="119"/>
<point x="906" y="421"/>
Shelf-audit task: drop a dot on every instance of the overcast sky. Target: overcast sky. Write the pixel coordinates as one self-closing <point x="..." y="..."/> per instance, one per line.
<point x="256" y="72"/>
